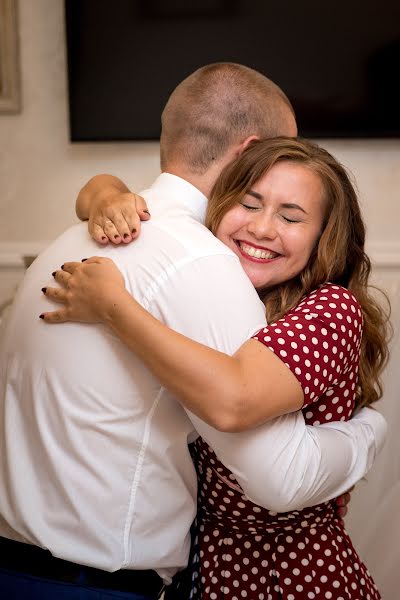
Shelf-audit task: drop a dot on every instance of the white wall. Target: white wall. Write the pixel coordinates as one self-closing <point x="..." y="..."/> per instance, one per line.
<point x="41" y="173"/>
<point x="374" y="521"/>
<point x="40" y="170"/>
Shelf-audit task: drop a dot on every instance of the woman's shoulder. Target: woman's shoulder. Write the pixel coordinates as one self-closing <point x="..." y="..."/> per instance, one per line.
<point x="330" y="291"/>
<point x="329" y="315"/>
<point x="332" y="299"/>
<point x="319" y="340"/>
<point x="330" y="311"/>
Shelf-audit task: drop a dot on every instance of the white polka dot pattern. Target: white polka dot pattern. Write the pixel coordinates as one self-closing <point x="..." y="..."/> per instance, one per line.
<point x="319" y="340"/>
<point x="243" y="551"/>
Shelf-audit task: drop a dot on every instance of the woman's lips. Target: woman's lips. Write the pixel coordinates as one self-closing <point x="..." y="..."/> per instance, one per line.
<point x="256" y="253"/>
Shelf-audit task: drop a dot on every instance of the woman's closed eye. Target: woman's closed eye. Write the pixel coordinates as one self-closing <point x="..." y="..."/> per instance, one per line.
<point x="252" y="200"/>
<point x="290" y="220"/>
<point x="250" y="206"/>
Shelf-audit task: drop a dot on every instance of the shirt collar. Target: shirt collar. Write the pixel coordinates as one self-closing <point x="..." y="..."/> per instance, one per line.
<point x="172" y="186"/>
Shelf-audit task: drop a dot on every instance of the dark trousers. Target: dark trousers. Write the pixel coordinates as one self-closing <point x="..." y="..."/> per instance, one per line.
<point x="17" y="586"/>
<point x="31" y="573"/>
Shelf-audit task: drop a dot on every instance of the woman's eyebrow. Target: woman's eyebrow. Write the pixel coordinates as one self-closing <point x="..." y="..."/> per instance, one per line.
<point x="254" y="194"/>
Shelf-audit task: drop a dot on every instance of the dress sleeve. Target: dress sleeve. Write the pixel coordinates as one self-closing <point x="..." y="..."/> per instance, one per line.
<point x="319" y="341"/>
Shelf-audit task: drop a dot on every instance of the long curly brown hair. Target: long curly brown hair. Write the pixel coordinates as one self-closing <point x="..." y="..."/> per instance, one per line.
<point x="338" y="257"/>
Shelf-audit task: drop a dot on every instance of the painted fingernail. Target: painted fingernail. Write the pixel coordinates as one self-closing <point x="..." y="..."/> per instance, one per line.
<point x="44" y="290"/>
<point x="54" y="273"/>
<point x="116" y="237"/>
<point x="41" y="316"/>
<point x="103" y="237"/>
<point x="134" y="230"/>
<point x="146" y="211"/>
<point x="126" y="235"/>
<point x="62" y="266"/>
<point x="83" y="259"/>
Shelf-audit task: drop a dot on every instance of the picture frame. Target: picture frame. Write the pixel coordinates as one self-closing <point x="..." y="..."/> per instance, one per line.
<point x="10" y="92"/>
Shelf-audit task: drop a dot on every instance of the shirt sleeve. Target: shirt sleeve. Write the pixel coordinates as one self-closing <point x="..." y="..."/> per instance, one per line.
<point x="319" y="340"/>
<point x="283" y="464"/>
<point x="287" y="465"/>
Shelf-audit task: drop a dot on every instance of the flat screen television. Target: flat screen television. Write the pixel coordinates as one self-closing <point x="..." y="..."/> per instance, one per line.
<point x="339" y="62"/>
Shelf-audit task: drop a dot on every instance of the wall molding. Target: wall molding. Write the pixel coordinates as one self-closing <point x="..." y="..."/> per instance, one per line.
<point x="12" y="253"/>
<point x="383" y="254"/>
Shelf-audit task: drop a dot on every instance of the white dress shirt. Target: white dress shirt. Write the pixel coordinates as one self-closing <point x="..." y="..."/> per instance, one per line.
<point x="94" y="463"/>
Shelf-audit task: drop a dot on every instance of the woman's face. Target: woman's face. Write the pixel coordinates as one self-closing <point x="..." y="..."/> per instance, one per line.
<point x="274" y="229"/>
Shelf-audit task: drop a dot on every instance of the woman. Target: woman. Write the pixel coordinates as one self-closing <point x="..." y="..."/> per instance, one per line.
<point x="289" y="212"/>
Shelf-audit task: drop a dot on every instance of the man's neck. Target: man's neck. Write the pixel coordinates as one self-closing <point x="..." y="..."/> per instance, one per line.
<point x="205" y="182"/>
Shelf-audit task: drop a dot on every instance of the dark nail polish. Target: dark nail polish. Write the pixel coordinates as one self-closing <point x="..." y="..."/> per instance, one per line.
<point x="83" y="259"/>
<point x="116" y="237"/>
<point x="126" y="235"/>
<point x="134" y="230"/>
<point x="62" y="266"/>
<point x="41" y="316"/>
<point x="54" y="273"/>
<point x="147" y="211"/>
<point x="44" y="290"/>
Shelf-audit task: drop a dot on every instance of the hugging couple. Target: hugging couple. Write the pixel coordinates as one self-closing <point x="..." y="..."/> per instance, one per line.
<point x="217" y="367"/>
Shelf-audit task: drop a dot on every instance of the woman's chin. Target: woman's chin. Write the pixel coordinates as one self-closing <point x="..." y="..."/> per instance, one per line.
<point x="262" y="276"/>
<point x="263" y="285"/>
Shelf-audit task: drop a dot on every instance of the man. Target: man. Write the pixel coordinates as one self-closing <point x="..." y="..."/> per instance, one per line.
<point x="94" y="459"/>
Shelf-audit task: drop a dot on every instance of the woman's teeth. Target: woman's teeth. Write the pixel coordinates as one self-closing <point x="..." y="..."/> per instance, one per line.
<point x="257" y="252"/>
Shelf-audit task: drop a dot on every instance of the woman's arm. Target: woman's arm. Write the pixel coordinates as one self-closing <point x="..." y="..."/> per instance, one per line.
<point x="113" y="211"/>
<point x="230" y="393"/>
<point x="283" y="464"/>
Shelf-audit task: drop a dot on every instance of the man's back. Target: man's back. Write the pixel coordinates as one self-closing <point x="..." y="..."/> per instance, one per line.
<point x="94" y="451"/>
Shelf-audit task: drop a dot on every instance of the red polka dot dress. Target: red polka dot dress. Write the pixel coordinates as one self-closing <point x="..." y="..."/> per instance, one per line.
<point x="244" y="551"/>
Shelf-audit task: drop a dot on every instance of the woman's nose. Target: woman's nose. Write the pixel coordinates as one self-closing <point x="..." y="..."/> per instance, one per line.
<point x="262" y="227"/>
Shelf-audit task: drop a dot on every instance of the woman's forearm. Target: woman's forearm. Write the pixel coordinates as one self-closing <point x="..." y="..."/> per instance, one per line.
<point x="229" y="393"/>
<point x="196" y="374"/>
<point x="100" y="186"/>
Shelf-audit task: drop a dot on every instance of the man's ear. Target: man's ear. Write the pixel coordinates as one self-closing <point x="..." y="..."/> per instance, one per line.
<point x="243" y="145"/>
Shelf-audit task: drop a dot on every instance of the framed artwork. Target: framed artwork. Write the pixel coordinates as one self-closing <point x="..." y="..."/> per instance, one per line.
<point x="10" y="96"/>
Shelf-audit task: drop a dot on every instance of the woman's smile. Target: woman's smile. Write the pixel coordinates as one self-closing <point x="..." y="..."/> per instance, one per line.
<point x="256" y="253"/>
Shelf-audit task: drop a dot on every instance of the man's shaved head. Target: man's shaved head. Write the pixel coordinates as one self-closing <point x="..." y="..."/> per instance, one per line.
<point x="217" y="106"/>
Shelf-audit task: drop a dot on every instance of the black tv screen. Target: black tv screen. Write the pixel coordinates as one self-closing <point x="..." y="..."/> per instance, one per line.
<point x="339" y="62"/>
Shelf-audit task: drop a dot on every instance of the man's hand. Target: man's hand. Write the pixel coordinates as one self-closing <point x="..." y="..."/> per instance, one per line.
<point x="113" y="211"/>
<point x="341" y="503"/>
<point x="89" y="291"/>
